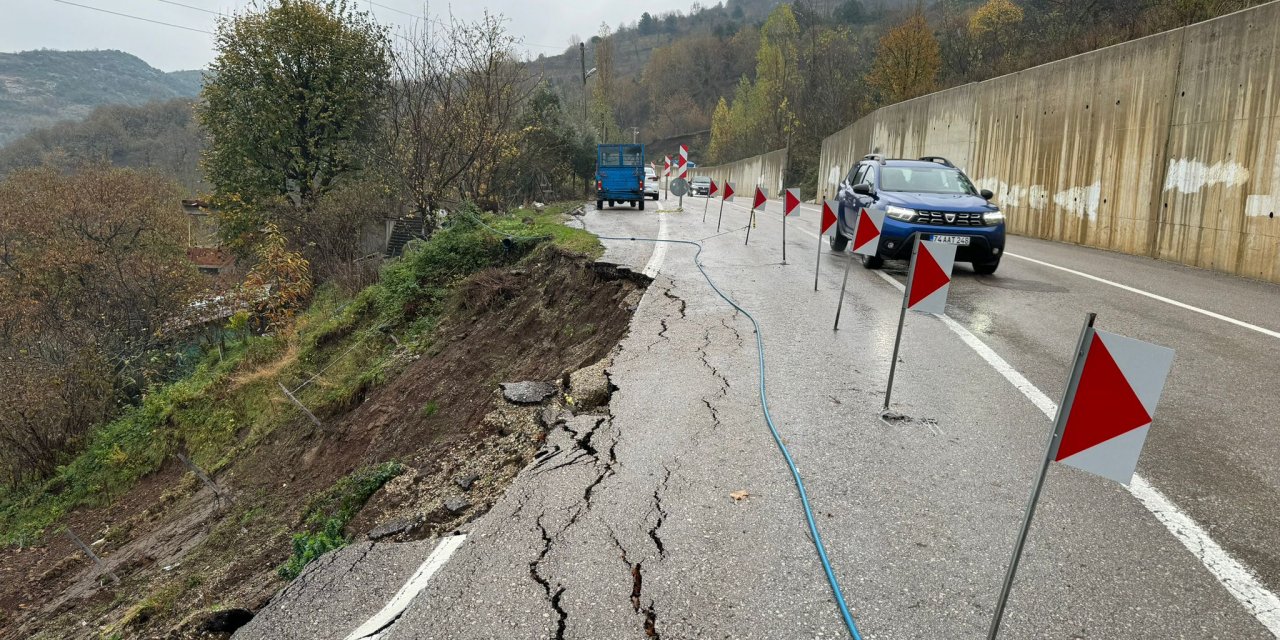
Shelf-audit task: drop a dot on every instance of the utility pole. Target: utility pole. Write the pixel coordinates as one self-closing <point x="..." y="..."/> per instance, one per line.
<point x="582" y="57"/>
<point x="635" y="133"/>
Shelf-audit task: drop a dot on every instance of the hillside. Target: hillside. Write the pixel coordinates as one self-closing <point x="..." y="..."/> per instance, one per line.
<point x="40" y="88"/>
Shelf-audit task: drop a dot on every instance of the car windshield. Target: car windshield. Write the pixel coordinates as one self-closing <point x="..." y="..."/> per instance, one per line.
<point x="925" y="180"/>
<point x="650" y="173"/>
<point x="702" y="180"/>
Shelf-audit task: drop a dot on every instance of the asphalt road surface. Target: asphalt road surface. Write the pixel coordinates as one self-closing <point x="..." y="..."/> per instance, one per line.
<point x="639" y="534"/>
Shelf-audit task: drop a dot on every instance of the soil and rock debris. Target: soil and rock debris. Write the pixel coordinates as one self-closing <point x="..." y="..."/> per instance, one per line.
<point x="192" y="564"/>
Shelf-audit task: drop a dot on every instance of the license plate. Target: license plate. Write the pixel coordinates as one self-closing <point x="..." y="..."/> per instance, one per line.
<point x="960" y="240"/>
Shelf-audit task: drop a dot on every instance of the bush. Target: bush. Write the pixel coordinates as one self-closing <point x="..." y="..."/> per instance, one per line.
<point x="331" y="511"/>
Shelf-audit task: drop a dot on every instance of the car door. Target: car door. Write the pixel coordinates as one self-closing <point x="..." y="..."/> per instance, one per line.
<point x="849" y="200"/>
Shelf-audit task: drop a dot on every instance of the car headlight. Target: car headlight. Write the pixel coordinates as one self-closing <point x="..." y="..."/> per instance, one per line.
<point x="900" y="213"/>
<point x="993" y="217"/>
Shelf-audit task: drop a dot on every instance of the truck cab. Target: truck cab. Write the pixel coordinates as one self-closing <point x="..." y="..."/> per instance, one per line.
<point x="620" y="175"/>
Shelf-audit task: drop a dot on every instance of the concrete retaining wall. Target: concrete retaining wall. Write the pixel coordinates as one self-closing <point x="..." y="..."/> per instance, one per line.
<point x="765" y="170"/>
<point x="1167" y="146"/>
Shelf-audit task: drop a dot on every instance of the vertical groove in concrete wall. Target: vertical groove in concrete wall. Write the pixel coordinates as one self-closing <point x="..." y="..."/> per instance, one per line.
<point x="1167" y="146"/>
<point x="767" y="170"/>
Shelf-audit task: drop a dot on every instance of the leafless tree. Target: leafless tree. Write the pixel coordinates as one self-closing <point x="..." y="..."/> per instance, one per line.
<point x="456" y="89"/>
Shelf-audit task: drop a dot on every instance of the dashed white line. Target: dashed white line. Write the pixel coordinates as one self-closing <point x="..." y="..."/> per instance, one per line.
<point x="1153" y="296"/>
<point x="1238" y="580"/>
<point x="373" y="628"/>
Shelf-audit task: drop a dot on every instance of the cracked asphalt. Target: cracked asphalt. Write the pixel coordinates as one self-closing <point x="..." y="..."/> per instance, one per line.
<point x="627" y="526"/>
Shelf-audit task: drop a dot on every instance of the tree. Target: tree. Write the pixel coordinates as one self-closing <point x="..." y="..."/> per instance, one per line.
<point x="291" y="100"/>
<point x="457" y="88"/>
<point x="851" y="12"/>
<point x="602" y="114"/>
<point x="907" y="61"/>
<point x="91" y="273"/>
<point x="993" y="27"/>
<point x="648" y="25"/>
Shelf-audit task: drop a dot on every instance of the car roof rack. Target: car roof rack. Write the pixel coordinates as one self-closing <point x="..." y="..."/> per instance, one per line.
<point x="938" y="159"/>
<point x="874" y="156"/>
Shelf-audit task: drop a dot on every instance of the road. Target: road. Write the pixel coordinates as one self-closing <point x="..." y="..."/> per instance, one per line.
<point x="641" y="535"/>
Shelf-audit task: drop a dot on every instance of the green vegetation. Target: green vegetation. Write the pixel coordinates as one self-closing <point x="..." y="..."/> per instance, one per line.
<point x="328" y="514"/>
<point x="230" y="404"/>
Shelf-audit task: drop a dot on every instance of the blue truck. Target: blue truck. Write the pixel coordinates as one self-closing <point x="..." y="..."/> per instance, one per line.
<point x="620" y="175"/>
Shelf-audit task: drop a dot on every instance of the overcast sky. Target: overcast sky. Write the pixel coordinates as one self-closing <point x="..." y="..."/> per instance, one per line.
<point x="544" y="26"/>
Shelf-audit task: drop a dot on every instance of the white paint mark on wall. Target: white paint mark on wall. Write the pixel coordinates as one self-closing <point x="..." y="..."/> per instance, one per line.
<point x="1082" y="201"/>
<point x="1190" y="176"/>
<point x="1013" y="195"/>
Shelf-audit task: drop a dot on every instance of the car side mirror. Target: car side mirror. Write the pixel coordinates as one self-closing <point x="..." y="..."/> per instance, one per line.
<point x="986" y="194"/>
<point x="863" y="189"/>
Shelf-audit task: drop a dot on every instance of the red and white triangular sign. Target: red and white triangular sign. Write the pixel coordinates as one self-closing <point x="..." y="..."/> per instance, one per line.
<point x="666" y="167"/>
<point x="713" y="190"/>
<point x="929" y="278"/>
<point x="790" y="201"/>
<point x="866" y="232"/>
<point x="829" y="208"/>
<point x="760" y="199"/>
<point x="1112" y="406"/>
<point x="728" y="191"/>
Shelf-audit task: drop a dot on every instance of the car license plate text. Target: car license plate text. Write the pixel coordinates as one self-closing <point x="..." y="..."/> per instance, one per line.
<point x="960" y="240"/>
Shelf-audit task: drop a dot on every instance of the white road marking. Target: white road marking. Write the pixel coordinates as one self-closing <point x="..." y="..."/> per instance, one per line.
<point x="1181" y="305"/>
<point x="373" y="627"/>
<point x="1238" y="580"/>
<point x="659" y="250"/>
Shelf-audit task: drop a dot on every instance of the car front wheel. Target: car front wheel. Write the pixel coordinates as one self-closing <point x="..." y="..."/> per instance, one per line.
<point x="985" y="268"/>
<point x="872" y="262"/>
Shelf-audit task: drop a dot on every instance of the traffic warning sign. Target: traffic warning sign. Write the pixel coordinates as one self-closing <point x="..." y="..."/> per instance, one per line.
<point x="866" y="235"/>
<point x="929" y="278"/>
<point x="1112" y="405"/>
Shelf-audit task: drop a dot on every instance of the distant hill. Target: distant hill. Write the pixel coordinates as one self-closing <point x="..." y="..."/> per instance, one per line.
<point x="40" y="88"/>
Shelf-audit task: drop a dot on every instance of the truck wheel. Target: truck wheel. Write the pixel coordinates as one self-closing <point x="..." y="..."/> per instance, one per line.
<point x="599" y="204"/>
<point x="642" y="204"/>
<point x="837" y="240"/>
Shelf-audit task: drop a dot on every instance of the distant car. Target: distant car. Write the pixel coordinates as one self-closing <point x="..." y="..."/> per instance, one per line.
<point x="650" y="183"/>
<point x="700" y="186"/>
<point x="928" y="199"/>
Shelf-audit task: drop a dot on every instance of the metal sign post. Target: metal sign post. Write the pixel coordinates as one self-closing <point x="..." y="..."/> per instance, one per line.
<point x="817" y="266"/>
<point x="680" y="187"/>
<point x="784" y="238"/>
<point x="902" y="317"/>
<point x="843" y="283"/>
<point x="751" y="222"/>
<point x="1059" y="422"/>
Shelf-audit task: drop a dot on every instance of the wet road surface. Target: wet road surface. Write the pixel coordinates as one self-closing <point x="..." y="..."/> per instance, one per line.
<point x="639" y="536"/>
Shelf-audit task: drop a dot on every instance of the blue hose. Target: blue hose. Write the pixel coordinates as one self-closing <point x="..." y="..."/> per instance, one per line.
<point x="764" y="402"/>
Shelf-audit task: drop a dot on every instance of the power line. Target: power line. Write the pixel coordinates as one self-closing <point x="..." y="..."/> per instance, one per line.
<point x="125" y="15"/>
<point x="411" y="15"/>
<point x="187" y="6"/>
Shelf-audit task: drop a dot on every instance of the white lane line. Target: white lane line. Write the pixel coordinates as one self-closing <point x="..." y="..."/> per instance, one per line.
<point x="659" y="250"/>
<point x="1239" y="580"/>
<point x="373" y="627"/>
<point x="1181" y="305"/>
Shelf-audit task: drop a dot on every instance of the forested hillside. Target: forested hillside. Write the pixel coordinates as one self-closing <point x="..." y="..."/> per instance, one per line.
<point x="741" y="78"/>
<point x="160" y="135"/>
<point x="40" y="88"/>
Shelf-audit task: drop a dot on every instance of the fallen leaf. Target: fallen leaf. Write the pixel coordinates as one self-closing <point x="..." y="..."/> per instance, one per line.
<point x="739" y="495"/>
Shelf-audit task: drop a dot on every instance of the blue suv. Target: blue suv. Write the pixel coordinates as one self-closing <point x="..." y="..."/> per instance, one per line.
<point x="927" y="198"/>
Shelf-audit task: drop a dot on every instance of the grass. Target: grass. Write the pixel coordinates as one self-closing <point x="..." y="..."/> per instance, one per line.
<point x="329" y="513"/>
<point x="339" y="348"/>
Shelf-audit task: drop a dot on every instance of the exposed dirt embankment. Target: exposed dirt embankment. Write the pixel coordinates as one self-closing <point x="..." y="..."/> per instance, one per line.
<point x="181" y="553"/>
